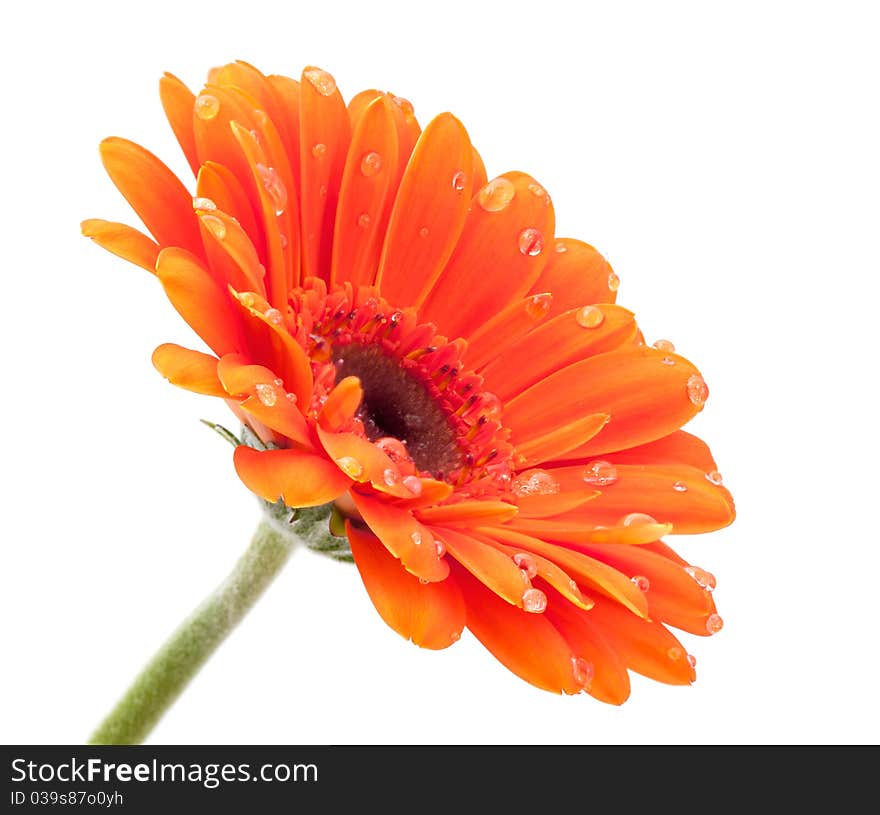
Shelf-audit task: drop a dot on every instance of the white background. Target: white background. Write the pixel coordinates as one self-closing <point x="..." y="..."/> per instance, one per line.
<point x="723" y="156"/>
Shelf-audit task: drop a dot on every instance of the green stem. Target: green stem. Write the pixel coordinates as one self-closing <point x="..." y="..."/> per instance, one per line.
<point x="189" y="647"/>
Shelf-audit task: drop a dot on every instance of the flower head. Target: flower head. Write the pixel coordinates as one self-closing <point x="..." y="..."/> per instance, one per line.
<point x="409" y="339"/>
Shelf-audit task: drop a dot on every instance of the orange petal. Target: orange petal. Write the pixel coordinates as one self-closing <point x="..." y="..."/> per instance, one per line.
<point x="577" y="275"/>
<point x="492" y="568"/>
<point x="431" y="492"/>
<point x="218" y="184"/>
<point x="231" y="255"/>
<point x="677" y="448"/>
<point x="177" y="101"/>
<point x="526" y="644"/>
<point x="123" y="241"/>
<point x="645" y="397"/>
<point x="325" y="131"/>
<point x="154" y="192"/>
<point x="366" y="195"/>
<point x="432" y="615"/>
<point x="198" y="298"/>
<point x="559" y="441"/>
<point x="342" y="403"/>
<point x="288" y="99"/>
<point x="363" y="461"/>
<point x="428" y="213"/>
<point x="300" y="479"/>
<point x="188" y="369"/>
<point x="544" y="505"/>
<point x="567" y="338"/>
<point x="403" y="536"/>
<point x="468" y="513"/>
<point x="508" y="246"/>
<point x="575" y="533"/>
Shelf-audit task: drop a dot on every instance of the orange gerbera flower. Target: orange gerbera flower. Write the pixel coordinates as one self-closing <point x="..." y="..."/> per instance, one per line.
<point x="409" y="340"/>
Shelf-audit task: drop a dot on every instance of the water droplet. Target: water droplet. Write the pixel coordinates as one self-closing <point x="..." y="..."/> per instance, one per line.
<point x="319" y="149"/>
<point x="641" y="582"/>
<point x="322" y="190"/>
<point x="416" y="537"/>
<point x="680" y="486"/>
<point x="266" y="394"/>
<point x="391" y="477"/>
<point x="274" y="186"/>
<point x="705" y="580"/>
<point x="423" y="232"/>
<point x="439" y="547"/>
<point x="290" y="397"/>
<point x="527" y="563"/>
<point x="459" y="180"/>
<point x="537" y="190"/>
<point x="283" y="240"/>
<point x="668" y="361"/>
<point x="697" y="390"/>
<point x="205" y="204"/>
<point x="363" y="220"/>
<point x="350" y="466"/>
<point x="371" y="163"/>
<point x="675" y="653"/>
<point x="207" y="106"/>
<point x="637" y="519"/>
<point x="560" y="247"/>
<point x="692" y="661"/>
<point x="600" y="473"/>
<point x="414" y="484"/>
<point x="531" y="241"/>
<point x="538" y="305"/>
<point x="496" y="195"/>
<point x="613" y="282"/>
<point x="394" y="448"/>
<point x="664" y="345"/>
<point x="589" y="317"/>
<point x="714" y="623"/>
<point x="278" y="381"/>
<point x="274" y="316"/>
<point x="247" y="299"/>
<point x="215" y="225"/>
<point x="321" y="81"/>
<point x="535" y="482"/>
<point x="534" y="601"/>
<point x="715" y="478"/>
<point x="582" y="671"/>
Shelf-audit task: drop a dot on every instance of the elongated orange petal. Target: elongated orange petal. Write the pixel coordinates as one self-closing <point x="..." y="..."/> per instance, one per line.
<point x="509" y="246"/>
<point x="577" y="275"/>
<point x="432" y="615"/>
<point x="363" y="461"/>
<point x="123" y="241"/>
<point x="288" y="99"/>
<point x="404" y="537"/>
<point x="559" y="441"/>
<point x="574" y="533"/>
<point x="428" y="213"/>
<point x="154" y="193"/>
<point x="545" y="505"/>
<point x="301" y="479"/>
<point x="188" y="369"/>
<point x="468" y="513"/>
<point x="646" y="397"/>
<point x="677" y="448"/>
<point x="551" y="346"/>
<point x="231" y="255"/>
<point x="526" y="644"/>
<point x="342" y="403"/>
<point x="219" y="185"/>
<point x="492" y="568"/>
<point x="198" y="298"/>
<point x="177" y="101"/>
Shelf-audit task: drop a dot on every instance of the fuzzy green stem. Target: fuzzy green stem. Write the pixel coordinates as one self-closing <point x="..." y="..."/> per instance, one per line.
<point x="189" y="647"/>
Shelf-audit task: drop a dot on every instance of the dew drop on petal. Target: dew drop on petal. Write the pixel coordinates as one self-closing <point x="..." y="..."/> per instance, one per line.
<point x="613" y="282"/>
<point x="490" y="405"/>
<point x="664" y="345"/>
<point x="363" y="220"/>
<point x="537" y="190"/>
<point x="321" y="81"/>
<point x="560" y="247"/>
<point x="668" y="361"/>
<point x="705" y="580"/>
<point x="266" y="394"/>
<point x="531" y="241"/>
<point x="680" y="486"/>
<point x="279" y="382"/>
<point x="350" y="466"/>
<point x="692" y="660"/>
<point x="423" y="232"/>
<point x="322" y="190"/>
<point x="527" y="563"/>
<point x="538" y="305"/>
<point x="391" y="477"/>
<point x="496" y="195"/>
<point x="589" y="317"/>
<point x="641" y="582"/>
<point x="637" y="519"/>
<point x="675" y="653"/>
<point x="714" y="623"/>
<point x="204" y="204"/>
<point x="274" y="316"/>
<point x="247" y="299"/>
<point x="319" y="149"/>
<point x="534" y="482"/>
<point x="534" y="601"/>
<point x="282" y="239"/>
<point x="371" y="163"/>
<point x="416" y="537"/>
<point x="459" y="181"/>
<point x="207" y="106"/>
<point x="274" y="186"/>
<point x="715" y="478"/>
<point x="697" y="390"/>
<point x="290" y="397"/>
<point x="600" y="473"/>
<point x="215" y="225"/>
<point x="583" y="671"/>
<point x="414" y="484"/>
<point x="439" y="547"/>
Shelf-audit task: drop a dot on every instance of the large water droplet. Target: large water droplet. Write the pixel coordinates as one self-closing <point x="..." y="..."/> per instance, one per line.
<point x="589" y="317"/>
<point x="274" y="186"/>
<point x="538" y="305"/>
<point x="274" y="316"/>
<point x="413" y="484"/>
<point x="641" y="582"/>
<point x="637" y="519"/>
<point x="266" y="394"/>
<point x="534" y="601"/>
<point x="527" y="563"/>
<point x="496" y="195"/>
<point x="531" y="241"/>
<point x="391" y="477"/>
<point x="613" y="282"/>
<point x="600" y="473"/>
<point x="583" y="671"/>
<point x="371" y="163"/>
<point x="534" y="482"/>
<point x="459" y="181"/>
<point x="204" y="204"/>
<point x="215" y="225"/>
<point x="320" y="80"/>
<point x="714" y="623"/>
<point x="664" y="345"/>
<point x="697" y="390"/>
<point x="705" y="580"/>
<point x="207" y="106"/>
<point x="714" y="477"/>
<point x="350" y="466"/>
